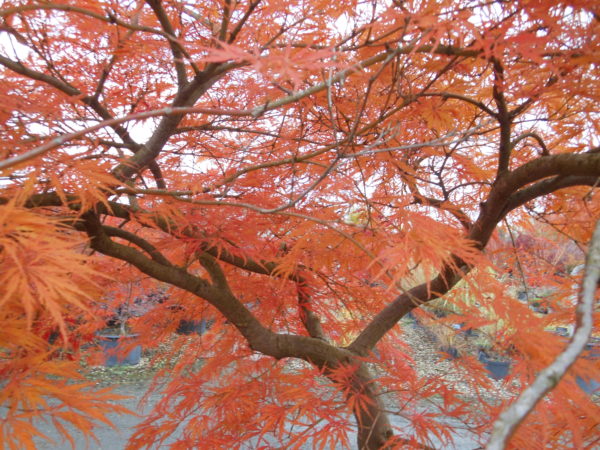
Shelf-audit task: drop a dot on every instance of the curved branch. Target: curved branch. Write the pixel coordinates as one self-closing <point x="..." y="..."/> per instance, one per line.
<point x="140" y="242"/>
<point x="228" y="305"/>
<point x="444" y="205"/>
<point x="187" y="96"/>
<point x="259" y="338"/>
<point x="583" y="166"/>
<point x="214" y="271"/>
<point x="546" y="187"/>
<point x="243" y="20"/>
<point x="310" y="320"/>
<point x="358" y="67"/>
<point x="463" y="98"/>
<point x="387" y="318"/>
<point x="225" y="20"/>
<point x="526" y="104"/>
<point x="532" y="135"/>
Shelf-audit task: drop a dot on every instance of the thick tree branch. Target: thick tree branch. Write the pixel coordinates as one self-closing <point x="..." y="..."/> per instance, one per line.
<point x="584" y="165"/>
<point x="126" y="212"/>
<point x="548" y="378"/>
<point x="225" y="20"/>
<point x="259" y="338"/>
<point x="581" y="165"/>
<point x="546" y="187"/>
<point x="214" y="271"/>
<point x="566" y="165"/>
<point x="166" y="25"/>
<point x="181" y="105"/>
<point x="504" y="118"/>
<point x="232" y="309"/>
<point x="402" y="305"/>
<point x="309" y="319"/>
<point x="373" y="423"/>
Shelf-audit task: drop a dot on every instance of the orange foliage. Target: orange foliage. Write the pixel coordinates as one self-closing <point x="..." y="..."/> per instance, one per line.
<point x="300" y="175"/>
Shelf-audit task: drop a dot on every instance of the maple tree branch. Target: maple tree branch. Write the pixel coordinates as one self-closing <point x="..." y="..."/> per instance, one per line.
<point x="108" y="18"/>
<point x="260" y="210"/>
<point x="548" y="186"/>
<point x="583" y="166"/>
<point x="547" y="379"/>
<point x="181" y="105"/>
<point x="261" y="339"/>
<point x="236" y="30"/>
<point x="140" y="242"/>
<point x="119" y="210"/>
<point x="526" y="104"/>
<point x="240" y="129"/>
<point x="61" y="139"/>
<point x="21" y="69"/>
<point x="114" y="57"/>
<point x="310" y="320"/>
<point x="209" y="253"/>
<point x="326" y="148"/>
<point x="187" y="96"/>
<point x="357" y="67"/>
<point x="167" y="226"/>
<point x="214" y="271"/>
<point x="166" y="25"/>
<point x="444" y="205"/>
<point x="438" y="142"/>
<point x="91" y="101"/>
<point x="565" y="164"/>
<point x="504" y="118"/>
<point x="224" y="301"/>
<point x="463" y="98"/>
<point x="387" y="318"/>
<point x="225" y="20"/>
<point x="517" y="259"/>
<point x="532" y="135"/>
<point x="481" y="232"/>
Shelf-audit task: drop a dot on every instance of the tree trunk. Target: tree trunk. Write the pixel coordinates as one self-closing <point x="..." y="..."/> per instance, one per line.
<point x="374" y="429"/>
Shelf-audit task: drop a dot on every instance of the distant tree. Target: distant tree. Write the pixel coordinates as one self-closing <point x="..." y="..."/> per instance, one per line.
<point x="291" y="171"/>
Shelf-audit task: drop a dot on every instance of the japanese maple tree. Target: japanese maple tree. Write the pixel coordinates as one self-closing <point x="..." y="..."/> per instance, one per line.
<point x="302" y="175"/>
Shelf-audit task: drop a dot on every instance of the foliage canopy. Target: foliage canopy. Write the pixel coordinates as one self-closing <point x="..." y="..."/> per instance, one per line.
<point x="302" y="174"/>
